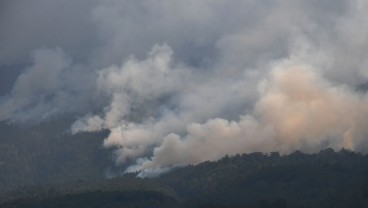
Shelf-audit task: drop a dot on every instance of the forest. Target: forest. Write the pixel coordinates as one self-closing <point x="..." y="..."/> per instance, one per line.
<point x="45" y="166"/>
<point x="259" y="180"/>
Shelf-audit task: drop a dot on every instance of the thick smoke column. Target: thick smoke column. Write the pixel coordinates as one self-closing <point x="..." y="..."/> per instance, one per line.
<point x="181" y="82"/>
<point x="308" y="112"/>
<point x="297" y="110"/>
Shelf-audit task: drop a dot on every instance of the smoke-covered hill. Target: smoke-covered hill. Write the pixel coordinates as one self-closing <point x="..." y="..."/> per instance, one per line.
<point x="327" y="179"/>
<point x="186" y="81"/>
<point x="154" y="85"/>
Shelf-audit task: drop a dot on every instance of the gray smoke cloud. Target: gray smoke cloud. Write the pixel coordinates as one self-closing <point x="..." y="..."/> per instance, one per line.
<point x="182" y="82"/>
<point x="51" y="86"/>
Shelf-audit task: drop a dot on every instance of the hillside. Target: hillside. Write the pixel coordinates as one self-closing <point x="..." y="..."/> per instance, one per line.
<point x="326" y="179"/>
<point x="47" y="154"/>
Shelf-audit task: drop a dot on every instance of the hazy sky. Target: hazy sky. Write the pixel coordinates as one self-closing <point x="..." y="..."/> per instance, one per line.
<point x="181" y="82"/>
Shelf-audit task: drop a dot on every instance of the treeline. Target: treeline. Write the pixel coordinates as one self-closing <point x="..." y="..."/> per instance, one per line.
<point x="256" y="180"/>
<point x="118" y="192"/>
<point x="327" y="179"/>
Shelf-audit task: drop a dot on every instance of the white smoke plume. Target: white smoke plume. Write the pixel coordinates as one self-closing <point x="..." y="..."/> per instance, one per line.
<point x="181" y="82"/>
<point x="297" y="110"/>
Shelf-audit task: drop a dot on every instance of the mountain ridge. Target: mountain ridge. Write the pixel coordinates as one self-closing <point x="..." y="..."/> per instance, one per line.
<point x="324" y="179"/>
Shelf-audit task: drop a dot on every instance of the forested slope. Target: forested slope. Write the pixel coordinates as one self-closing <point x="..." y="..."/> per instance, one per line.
<point x="327" y="179"/>
<point x="47" y="154"/>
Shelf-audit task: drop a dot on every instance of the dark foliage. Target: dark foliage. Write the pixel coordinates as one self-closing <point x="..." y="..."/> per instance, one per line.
<point x="98" y="199"/>
<point x="44" y="166"/>
<point x="257" y="180"/>
<point x="326" y="179"/>
<point x="47" y="154"/>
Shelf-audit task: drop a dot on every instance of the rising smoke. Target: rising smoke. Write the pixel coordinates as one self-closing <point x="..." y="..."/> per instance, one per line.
<point x="182" y="82"/>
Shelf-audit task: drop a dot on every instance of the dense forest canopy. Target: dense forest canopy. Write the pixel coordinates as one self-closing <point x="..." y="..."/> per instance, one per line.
<point x="326" y="179"/>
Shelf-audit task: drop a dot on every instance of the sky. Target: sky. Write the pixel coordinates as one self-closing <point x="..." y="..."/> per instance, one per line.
<point x="182" y="82"/>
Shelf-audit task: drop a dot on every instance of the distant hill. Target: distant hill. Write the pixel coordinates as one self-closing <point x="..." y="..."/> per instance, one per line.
<point x="326" y="179"/>
<point x="47" y="154"/>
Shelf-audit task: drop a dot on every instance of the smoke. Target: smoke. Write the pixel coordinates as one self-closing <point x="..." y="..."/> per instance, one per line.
<point x="47" y="88"/>
<point x="134" y="84"/>
<point x="297" y="110"/>
<point x="183" y="82"/>
<point x="34" y="86"/>
<point x="308" y="112"/>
